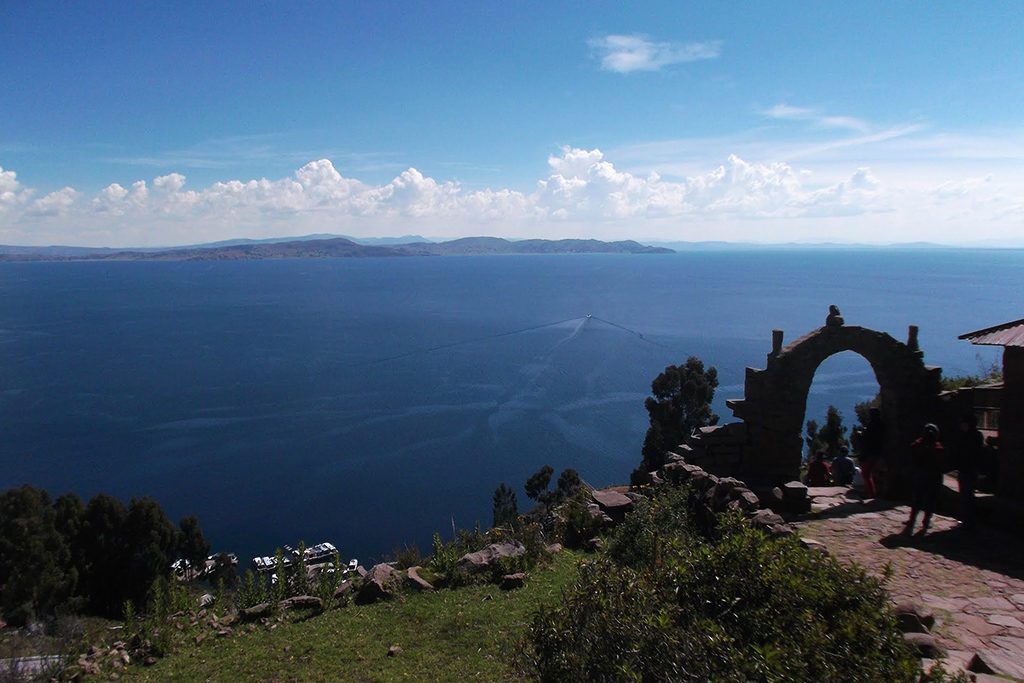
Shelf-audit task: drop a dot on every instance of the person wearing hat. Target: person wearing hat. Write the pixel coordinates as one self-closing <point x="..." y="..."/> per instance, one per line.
<point x="927" y="461"/>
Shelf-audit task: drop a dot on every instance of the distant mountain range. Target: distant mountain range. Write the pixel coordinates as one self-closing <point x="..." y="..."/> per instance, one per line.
<point x="328" y="246"/>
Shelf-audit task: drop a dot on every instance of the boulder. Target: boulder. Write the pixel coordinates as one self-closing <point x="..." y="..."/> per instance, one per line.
<point x="813" y="544"/>
<point x="727" y="484"/>
<point x="394" y="650"/>
<point x="413" y="578"/>
<point x="748" y="500"/>
<point x="997" y="664"/>
<point x="703" y="481"/>
<point x="595" y="544"/>
<point x="763" y="519"/>
<point x="264" y="609"/>
<point x="913" y="617"/>
<point x="510" y="581"/>
<point x="613" y="503"/>
<point x="681" y="472"/>
<point x="794" y="490"/>
<point x="302" y="602"/>
<point x="780" y="530"/>
<point x="554" y="548"/>
<point x="344" y="589"/>
<point x="924" y="645"/>
<point x="483" y="559"/>
<point x="361" y="570"/>
<point x="771" y="522"/>
<point x="378" y="584"/>
<point x="642" y="477"/>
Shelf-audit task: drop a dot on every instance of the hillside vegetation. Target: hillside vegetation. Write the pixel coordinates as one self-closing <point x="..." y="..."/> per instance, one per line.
<point x="470" y="633"/>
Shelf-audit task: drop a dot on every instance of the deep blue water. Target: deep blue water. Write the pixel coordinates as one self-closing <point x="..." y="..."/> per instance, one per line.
<point x="281" y="400"/>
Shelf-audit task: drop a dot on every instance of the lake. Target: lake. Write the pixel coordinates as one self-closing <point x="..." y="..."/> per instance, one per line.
<point x="370" y="402"/>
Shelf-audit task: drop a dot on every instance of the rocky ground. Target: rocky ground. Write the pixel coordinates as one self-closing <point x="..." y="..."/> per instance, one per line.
<point x="973" y="580"/>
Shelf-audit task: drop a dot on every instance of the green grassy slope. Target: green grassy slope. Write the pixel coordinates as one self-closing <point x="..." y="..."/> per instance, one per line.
<point x="471" y="633"/>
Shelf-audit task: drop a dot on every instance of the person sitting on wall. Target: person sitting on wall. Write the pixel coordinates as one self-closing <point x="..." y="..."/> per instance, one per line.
<point x="843" y="468"/>
<point x="927" y="463"/>
<point x="818" y="472"/>
<point x="834" y="317"/>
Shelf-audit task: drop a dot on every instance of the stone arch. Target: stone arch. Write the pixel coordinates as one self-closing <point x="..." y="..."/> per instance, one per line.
<point x="775" y="398"/>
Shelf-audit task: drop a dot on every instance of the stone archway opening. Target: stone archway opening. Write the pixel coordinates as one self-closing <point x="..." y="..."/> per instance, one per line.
<point x="843" y="380"/>
<point x="775" y="399"/>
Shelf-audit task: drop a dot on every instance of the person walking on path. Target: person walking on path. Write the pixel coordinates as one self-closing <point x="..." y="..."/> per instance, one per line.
<point x="970" y="446"/>
<point x="870" y="451"/>
<point x="927" y="463"/>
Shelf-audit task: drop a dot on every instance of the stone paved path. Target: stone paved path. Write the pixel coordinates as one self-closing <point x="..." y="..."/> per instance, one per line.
<point x="974" y="582"/>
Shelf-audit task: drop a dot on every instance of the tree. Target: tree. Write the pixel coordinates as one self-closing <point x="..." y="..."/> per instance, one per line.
<point x="680" y="402"/>
<point x="151" y="543"/>
<point x="34" y="557"/>
<point x="538" y="482"/>
<point x="811" y="439"/>
<point x="831" y="438"/>
<point x="863" y="409"/>
<point x="192" y="544"/>
<point x="987" y="372"/>
<point x="569" y="483"/>
<point x="104" y="554"/>
<point x="506" y="510"/>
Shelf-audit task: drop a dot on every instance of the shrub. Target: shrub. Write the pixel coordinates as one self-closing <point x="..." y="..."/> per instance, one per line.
<point x="408" y="556"/>
<point x="656" y="526"/>
<point x="740" y="606"/>
<point x="580" y="526"/>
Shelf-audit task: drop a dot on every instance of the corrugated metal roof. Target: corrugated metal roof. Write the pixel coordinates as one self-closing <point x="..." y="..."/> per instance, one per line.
<point x="1007" y="334"/>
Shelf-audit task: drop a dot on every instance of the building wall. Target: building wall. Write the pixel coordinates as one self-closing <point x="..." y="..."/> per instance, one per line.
<point x="1011" y="425"/>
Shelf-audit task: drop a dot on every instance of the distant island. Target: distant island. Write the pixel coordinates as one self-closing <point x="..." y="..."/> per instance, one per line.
<point x="329" y="247"/>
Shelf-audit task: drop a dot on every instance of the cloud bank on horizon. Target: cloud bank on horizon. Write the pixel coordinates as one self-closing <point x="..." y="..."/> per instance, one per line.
<point x="772" y="124"/>
<point x="582" y="195"/>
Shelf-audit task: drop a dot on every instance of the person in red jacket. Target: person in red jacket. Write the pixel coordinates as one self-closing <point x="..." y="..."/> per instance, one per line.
<point x="818" y="472"/>
<point x="927" y="463"/>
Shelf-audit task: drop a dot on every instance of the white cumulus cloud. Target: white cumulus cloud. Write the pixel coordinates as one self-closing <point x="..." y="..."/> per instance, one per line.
<point x="582" y="193"/>
<point x="12" y="194"/>
<point x="56" y="203"/>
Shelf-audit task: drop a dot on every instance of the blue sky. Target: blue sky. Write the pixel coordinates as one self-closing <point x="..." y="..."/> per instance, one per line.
<point x="143" y="124"/>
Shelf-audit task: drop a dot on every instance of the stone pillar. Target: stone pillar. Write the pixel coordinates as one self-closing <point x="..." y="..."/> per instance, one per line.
<point x="776" y="341"/>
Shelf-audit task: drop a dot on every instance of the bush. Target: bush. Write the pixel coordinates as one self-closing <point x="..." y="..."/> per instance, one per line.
<point x="738" y="607"/>
<point x="580" y="526"/>
<point x="656" y="526"/>
<point x="408" y="556"/>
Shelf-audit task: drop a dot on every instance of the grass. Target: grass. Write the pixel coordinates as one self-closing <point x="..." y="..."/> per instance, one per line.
<point x="470" y="633"/>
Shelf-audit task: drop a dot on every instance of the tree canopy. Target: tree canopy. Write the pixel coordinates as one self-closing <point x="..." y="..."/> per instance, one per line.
<point x="680" y="402"/>
<point x="64" y="554"/>
<point x="506" y="510"/>
<point x="830" y="438"/>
